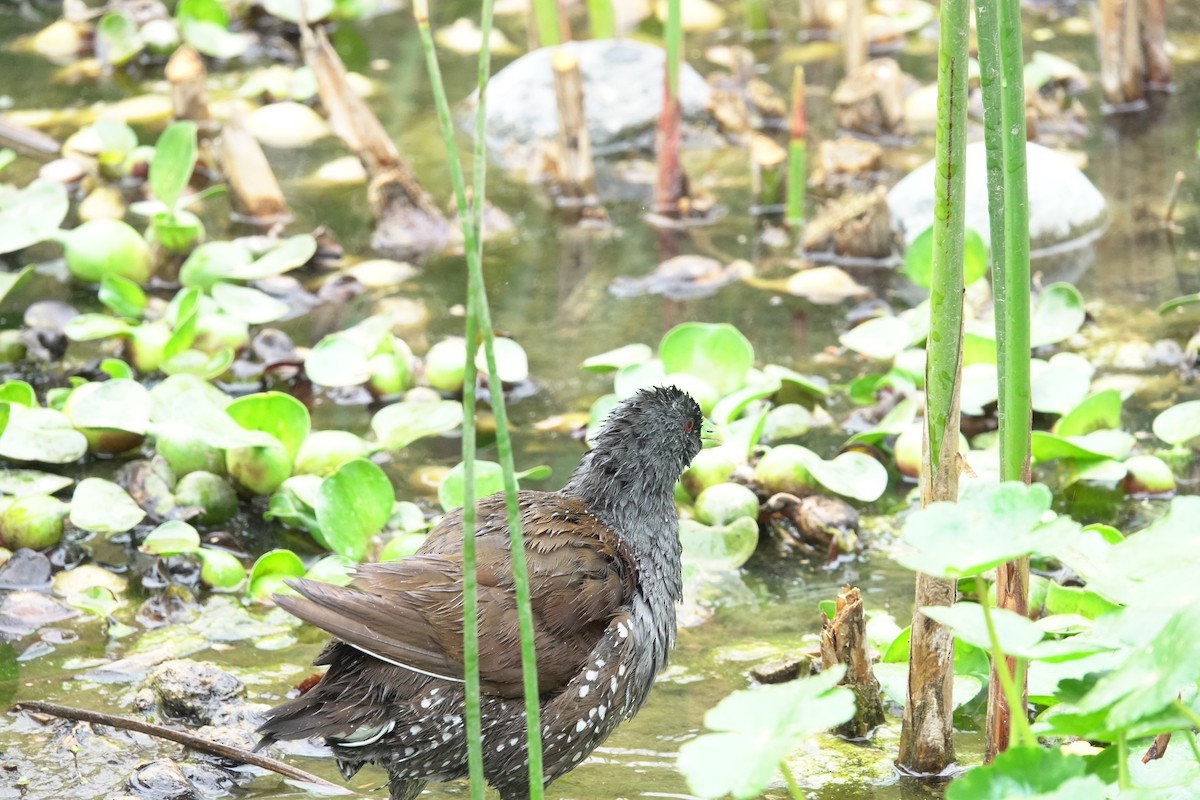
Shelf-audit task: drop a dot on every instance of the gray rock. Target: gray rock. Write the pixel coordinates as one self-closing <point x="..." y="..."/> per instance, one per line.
<point x="162" y="780"/>
<point x="622" y="90"/>
<point x="195" y="692"/>
<point x="1065" y="210"/>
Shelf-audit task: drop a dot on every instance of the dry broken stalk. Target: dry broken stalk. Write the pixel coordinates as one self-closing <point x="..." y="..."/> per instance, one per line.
<point x="1121" y="66"/>
<point x="407" y="221"/>
<point x="854" y="35"/>
<point x="576" y="171"/>
<point x="256" y="195"/>
<point x="1154" y="44"/>
<point x="188" y="78"/>
<point x="844" y="641"/>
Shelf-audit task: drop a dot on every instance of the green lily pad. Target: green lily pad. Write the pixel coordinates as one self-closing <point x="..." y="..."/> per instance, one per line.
<point x="250" y="305"/>
<point x="1179" y="424"/>
<point x="354" y="504"/>
<point x="1100" y="411"/>
<point x="986" y="527"/>
<point x="716" y="352"/>
<point x="755" y="729"/>
<point x="278" y="414"/>
<point x="104" y="507"/>
<point x="512" y="364"/>
<point x="400" y="424"/>
<point x="721" y="547"/>
<point x="170" y="538"/>
<point x="41" y="434"/>
<point x="489" y="479"/>
<point x="1057" y="314"/>
<point x="1030" y="773"/>
<point x="619" y="358"/>
<point x="31" y="215"/>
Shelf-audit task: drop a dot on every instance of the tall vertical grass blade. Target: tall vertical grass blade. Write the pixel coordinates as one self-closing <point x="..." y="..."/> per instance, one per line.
<point x="1001" y="70"/>
<point x="545" y="18"/>
<point x="673" y="41"/>
<point x="602" y="19"/>
<point x="926" y="743"/>
<point x="797" y="153"/>
<point x="479" y="326"/>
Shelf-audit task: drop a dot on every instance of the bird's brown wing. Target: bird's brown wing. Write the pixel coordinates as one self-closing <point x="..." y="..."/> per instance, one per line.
<point x="409" y="612"/>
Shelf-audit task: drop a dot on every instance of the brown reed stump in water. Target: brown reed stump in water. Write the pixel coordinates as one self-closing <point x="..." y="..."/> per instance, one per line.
<point x="575" y="181"/>
<point x="1154" y="44"/>
<point x="671" y="188"/>
<point x="188" y="78"/>
<point x="844" y="641"/>
<point x="1122" y="71"/>
<point x="854" y="35"/>
<point x="408" y="224"/>
<point x="870" y="99"/>
<point x="255" y="193"/>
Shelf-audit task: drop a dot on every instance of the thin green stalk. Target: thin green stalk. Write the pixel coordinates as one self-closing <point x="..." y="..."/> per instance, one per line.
<point x="471" y="238"/>
<point x="1186" y="711"/>
<point x="545" y="16"/>
<point x="1191" y="740"/>
<point x="757" y="20"/>
<point x="1123" y="780"/>
<point x="673" y="39"/>
<point x="1020" y="724"/>
<point x="797" y="153"/>
<point x="479" y="321"/>
<point x="793" y="787"/>
<point x="602" y="19"/>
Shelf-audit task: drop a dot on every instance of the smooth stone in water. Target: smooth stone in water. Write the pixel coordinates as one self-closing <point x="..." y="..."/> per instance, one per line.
<point x="1065" y="210"/>
<point x="622" y="89"/>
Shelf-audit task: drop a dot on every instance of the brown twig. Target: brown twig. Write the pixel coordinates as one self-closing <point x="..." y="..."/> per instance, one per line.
<point x="1172" y="199"/>
<point x="1157" y="748"/>
<point x="179" y="737"/>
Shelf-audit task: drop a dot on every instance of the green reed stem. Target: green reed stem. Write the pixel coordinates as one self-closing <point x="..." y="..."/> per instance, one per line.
<point x="1020" y="723"/>
<point x="1123" y="779"/>
<point x="602" y="19"/>
<point x="479" y="322"/>
<point x="545" y="17"/>
<point x="673" y="40"/>
<point x="793" y="787"/>
<point x="946" y="296"/>
<point x="757" y="19"/>
<point x="797" y="166"/>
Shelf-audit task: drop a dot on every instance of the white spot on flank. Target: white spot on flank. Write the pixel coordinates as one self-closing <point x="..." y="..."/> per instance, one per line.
<point x="408" y="751"/>
<point x="621" y="670"/>
<point x="500" y="747"/>
<point x="591" y="674"/>
<point x="602" y="710"/>
<point x="600" y="662"/>
<point x="622" y="631"/>
<point x="513" y="741"/>
<point x="577" y="756"/>
<point x="612" y="683"/>
<point x="583" y="690"/>
<point x="414" y="730"/>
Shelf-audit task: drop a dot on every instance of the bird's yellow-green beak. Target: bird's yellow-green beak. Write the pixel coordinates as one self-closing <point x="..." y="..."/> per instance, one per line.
<point x="710" y="434"/>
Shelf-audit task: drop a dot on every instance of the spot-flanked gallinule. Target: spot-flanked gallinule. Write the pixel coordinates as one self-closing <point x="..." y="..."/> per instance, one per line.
<point x="604" y="569"/>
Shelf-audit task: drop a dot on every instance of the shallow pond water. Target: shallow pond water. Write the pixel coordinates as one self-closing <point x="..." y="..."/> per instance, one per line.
<point x="549" y="290"/>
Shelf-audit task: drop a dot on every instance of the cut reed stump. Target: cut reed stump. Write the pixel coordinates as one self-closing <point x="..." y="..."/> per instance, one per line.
<point x="255" y="193"/>
<point x="188" y="78"/>
<point x="844" y="641"/>
<point x="1122" y="70"/>
<point x="575" y="180"/>
<point x="408" y="224"/>
<point x="671" y="188"/>
<point x="1154" y="44"/>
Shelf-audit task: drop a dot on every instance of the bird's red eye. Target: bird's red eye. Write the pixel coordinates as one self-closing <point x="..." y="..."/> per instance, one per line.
<point x="687" y="426"/>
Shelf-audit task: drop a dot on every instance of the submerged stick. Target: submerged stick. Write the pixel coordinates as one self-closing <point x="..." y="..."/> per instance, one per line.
<point x="189" y="740"/>
<point x="256" y="194"/>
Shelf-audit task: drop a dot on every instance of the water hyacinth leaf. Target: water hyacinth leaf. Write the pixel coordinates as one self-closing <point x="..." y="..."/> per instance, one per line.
<point x="1061" y="384"/>
<point x="89" y="327"/>
<point x="850" y="474"/>
<point x="808" y="384"/>
<point x="4" y="415"/>
<point x="183" y="311"/>
<point x="269" y="570"/>
<point x="95" y="600"/>
<point x="755" y="729"/>
<point x="335" y="569"/>
<point x="1100" y="411"/>
<point x="1016" y="634"/>
<point x="986" y="527"/>
<point x="894" y="422"/>
<point x="121" y="404"/>
<point x="1179" y="424"/>
<point x="220" y="570"/>
<point x="1104" y="444"/>
<point x="41" y="434"/>
<point x="293" y="252"/>
<point x="197" y="412"/>
<point x="400" y="424"/>
<point x="104" y="507"/>
<point x="18" y="392"/>
<point x="22" y="482"/>
<point x="1030" y="773"/>
<point x="13" y="281"/>
<point x="717" y="352"/>
<point x="882" y="338"/>
<point x="601" y="408"/>
<point x="893" y="680"/>
<point x="122" y="296"/>
<point x="278" y="414"/>
<point x="402" y="545"/>
<point x="718" y="547"/>
<point x="173" y="162"/>
<point x="512" y="364"/>
<point x="170" y="538"/>
<point x="731" y="406"/>
<point x="212" y="11"/>
<point x="1171" y="305"/>
<point x="291" y="10"/>
<point x="619" y="358"/>
<point x="293" y="504"/>
<point x="338" y="360"/>
<point x="202" y="365"/>
<point x="250" y="305"/>
<point x="1077" y="600"/>
<point x="213" y="261"/>
<point x="740" y="436"/>
<point x="918" y="258"/>
<point x="32" y="214"/>
<point x="354" y="503"/>
<point x="117" y="39"/>
<point x="1057" y="314"/>
<point x="489" y="479"/>
<point x="979" y="388"/>
<point x="7" y="157"/>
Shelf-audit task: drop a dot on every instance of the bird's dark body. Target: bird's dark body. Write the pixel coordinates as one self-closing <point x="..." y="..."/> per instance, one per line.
<point x="603" y="558"/>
